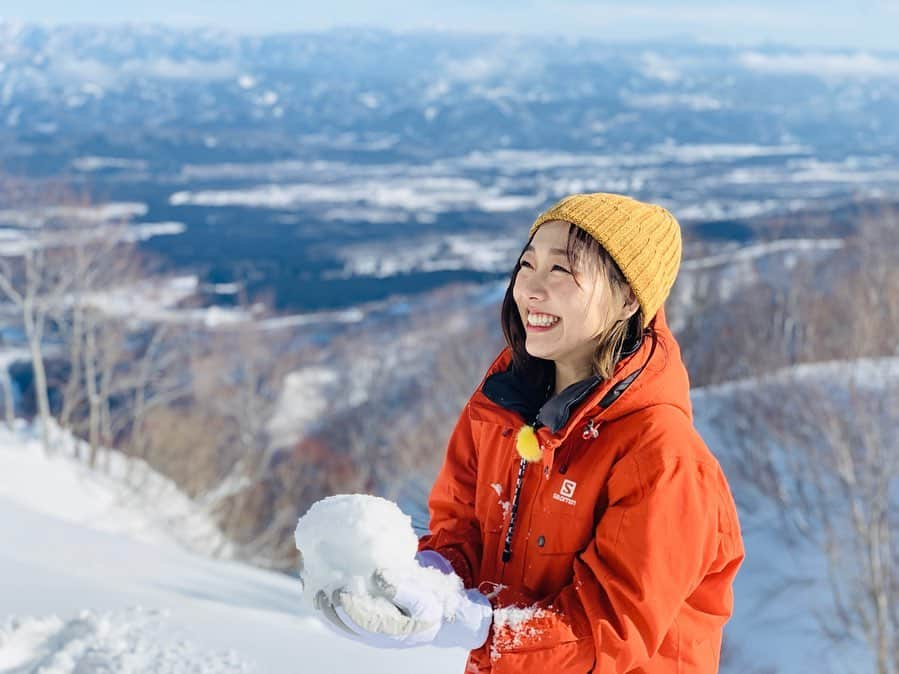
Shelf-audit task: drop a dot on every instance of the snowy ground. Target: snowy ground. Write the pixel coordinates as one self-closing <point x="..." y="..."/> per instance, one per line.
<point x="783" y="586"/>
<point x="79" y="595"/>
<point x="94" y="578"/>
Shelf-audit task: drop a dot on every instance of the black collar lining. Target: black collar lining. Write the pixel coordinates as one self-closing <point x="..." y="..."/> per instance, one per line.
<point x="514" y="391"/>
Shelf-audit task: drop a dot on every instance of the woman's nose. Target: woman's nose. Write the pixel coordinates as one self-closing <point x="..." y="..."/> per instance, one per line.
<point x="534" y="287"/>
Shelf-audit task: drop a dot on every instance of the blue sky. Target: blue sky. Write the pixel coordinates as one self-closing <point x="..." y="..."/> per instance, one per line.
<point x="835" y="23"/>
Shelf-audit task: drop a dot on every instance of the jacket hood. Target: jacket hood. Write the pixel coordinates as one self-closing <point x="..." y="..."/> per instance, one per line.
<point x="652" y="373"/>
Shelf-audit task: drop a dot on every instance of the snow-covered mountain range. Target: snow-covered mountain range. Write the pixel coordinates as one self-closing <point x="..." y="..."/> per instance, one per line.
<point x="341" y="167"/>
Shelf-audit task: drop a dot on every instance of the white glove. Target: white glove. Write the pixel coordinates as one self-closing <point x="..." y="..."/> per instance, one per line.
<point x="469" y="625"/>
<point x="409" y="616"/>
<point x="418" y="617"/>
<point x="434" y="560"/>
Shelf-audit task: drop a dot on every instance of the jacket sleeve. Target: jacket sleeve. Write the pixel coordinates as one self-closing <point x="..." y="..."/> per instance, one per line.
<point x="454" y="529"/>
<point x="653" y="545"/>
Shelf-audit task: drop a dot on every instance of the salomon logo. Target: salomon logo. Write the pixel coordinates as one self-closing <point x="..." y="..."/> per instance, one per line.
<point x="566" y="491"/>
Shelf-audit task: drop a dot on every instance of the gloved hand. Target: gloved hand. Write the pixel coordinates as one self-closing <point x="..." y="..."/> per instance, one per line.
<point x="434" y="560"/>
<point x="418" y="619"/>
<point x="403" y="617"/>
<point x="469" y="625"/>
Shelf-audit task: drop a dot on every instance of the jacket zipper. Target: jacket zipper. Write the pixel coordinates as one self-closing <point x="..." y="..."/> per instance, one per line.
<point x="516" y="497"/>
<point x="590" y="430"/>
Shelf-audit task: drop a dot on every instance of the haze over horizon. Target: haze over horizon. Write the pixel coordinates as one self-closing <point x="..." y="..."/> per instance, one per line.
<point x="872" y="24"/>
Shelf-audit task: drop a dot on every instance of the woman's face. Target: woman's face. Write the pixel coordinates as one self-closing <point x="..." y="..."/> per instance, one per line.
<point x="561" y="317"/>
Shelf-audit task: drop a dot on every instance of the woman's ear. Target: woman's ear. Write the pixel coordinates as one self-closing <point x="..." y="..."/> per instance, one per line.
<point x="631" y="305"/>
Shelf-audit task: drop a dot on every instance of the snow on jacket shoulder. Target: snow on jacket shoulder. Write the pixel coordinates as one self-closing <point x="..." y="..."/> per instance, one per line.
<point x="626" y="539"/>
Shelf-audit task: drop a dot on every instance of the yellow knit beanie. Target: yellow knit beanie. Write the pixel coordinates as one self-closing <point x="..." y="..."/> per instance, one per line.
<point x="643" y="239"/>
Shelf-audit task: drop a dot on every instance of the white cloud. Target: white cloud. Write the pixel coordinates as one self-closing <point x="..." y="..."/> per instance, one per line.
<point x="822" y="64"/>
<point x="162" y="68"/>
<point x="188" y="69"/>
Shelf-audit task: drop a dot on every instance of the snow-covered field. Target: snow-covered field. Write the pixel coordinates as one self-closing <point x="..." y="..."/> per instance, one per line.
<point x="91" y="582"/>
<point x="510" y="180"/>
<point x="96" y="575"/>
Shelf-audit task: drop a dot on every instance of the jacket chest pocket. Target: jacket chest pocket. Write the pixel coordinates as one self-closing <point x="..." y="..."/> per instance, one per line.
<point x="553" y="545"/>
<point x="493" y="530"/>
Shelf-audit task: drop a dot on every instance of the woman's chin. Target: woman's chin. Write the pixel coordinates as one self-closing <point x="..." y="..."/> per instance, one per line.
<point x="537" y="352"/>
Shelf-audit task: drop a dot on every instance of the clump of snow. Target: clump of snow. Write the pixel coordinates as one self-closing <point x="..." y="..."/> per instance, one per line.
<point x="109" y="641"/>
<point x="352" y="535"/>
<point x="344" y="539"/>
<point x="513" y="626"/>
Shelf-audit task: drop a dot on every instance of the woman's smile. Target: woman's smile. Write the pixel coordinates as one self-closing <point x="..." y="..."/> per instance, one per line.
<point x="540" y="322"/>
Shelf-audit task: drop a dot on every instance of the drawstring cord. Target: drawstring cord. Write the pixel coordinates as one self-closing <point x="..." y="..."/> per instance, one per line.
<point x="507" y="546"/>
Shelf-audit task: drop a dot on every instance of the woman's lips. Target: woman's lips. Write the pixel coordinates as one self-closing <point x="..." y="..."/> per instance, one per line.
<point x="529" y="327"/>
<point x="540" y="328"/>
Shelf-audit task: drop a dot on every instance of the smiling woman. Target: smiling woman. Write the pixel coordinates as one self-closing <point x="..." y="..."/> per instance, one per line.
<point x="573" y="303"/>
<point x="618" y="550"/>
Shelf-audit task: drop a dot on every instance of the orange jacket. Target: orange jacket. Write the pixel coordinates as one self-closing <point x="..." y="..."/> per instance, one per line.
<point x="626" y="540"/>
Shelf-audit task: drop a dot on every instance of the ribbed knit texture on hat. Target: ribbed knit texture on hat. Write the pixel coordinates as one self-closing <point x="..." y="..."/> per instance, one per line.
<point x="644" y="239"/>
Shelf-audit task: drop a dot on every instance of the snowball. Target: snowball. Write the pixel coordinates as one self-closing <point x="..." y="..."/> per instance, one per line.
<point x="343" y="539"/>
<point x="352" y="535"/>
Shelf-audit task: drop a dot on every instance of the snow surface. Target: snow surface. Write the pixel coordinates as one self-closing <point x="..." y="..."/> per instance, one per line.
<point x="823" y="64"/>
<point x="37" y="217"/>
<point x="732" y="176"/>
<point x="84" y="588"/>
<point x="108" y="641"/>
<point x="428" y="194"/>
<point x="491" y="253"/>
<point x="754" y="251"/>
<point x="783" y="584"/>
<point x="157" y="300"/>
<point x="126" y="496"/>
<point x="79" y="597"/>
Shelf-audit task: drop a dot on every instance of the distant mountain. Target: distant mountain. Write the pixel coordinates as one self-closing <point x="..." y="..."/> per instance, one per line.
<point x="340" y="167"/>
<point x="155" y="92"/>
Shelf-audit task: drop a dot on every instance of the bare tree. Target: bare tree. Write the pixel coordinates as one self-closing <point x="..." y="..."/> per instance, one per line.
<point x="36" y="281"/>
<point x="826" y="451"/>
<point x="66" y="259"/>
<point x="156" y="380"/>
<point x="827" y="456"/>
<point x="9" y="413"/>
<point x="102" y="259"/>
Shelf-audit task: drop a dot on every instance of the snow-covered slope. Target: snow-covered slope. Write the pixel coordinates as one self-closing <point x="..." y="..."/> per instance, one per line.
<point x="782" y="587"/>
<point x="90" y="583"/>
<point x="123" y="496"/>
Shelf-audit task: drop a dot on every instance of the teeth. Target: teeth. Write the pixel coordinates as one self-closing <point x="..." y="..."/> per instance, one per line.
<point x="542" y="319"/>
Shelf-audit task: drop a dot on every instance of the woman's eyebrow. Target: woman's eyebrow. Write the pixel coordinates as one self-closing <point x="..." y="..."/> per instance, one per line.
<point x="552" y="251"/>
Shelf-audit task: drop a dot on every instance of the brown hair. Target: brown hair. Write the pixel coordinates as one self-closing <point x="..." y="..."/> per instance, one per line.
<point x="582" y="250"/>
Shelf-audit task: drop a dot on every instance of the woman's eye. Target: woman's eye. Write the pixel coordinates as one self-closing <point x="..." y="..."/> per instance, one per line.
<point x="525" y="263"/>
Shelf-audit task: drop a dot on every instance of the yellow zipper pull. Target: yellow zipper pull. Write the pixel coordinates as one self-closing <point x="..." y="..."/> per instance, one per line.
<point x="527" y="445"/>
